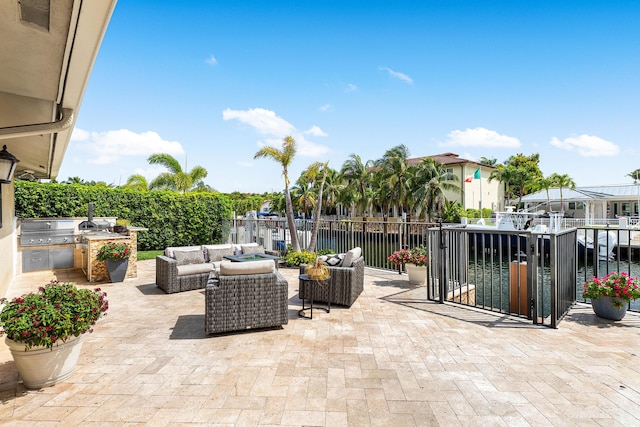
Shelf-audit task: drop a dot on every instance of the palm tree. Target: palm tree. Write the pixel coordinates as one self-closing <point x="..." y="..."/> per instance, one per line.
<point x="332" y="189"/>
<point x="303" y="195"/>
<point x="74" y="180"/>
<point x="488" y="161"/>
<point x="312" y="173"/>
<point x="542" y="183"/>
<point x="635" y="175"/>
<point x="137" y="182"/>
<point x="284" y="157"/>
<point x="358" y="177"/>
<point x="561" y="181"/>
<point x="394" y="172"/>
<point x="431" y="180"/>
<point x="176" y="179"/>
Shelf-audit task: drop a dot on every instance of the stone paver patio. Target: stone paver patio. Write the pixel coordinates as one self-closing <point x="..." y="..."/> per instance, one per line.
<point x="392" y="359"/>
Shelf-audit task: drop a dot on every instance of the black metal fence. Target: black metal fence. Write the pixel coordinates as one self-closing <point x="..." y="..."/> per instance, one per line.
<point x="538" y="276"/>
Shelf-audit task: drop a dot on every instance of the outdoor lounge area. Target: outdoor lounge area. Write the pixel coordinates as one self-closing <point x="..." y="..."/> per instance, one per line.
<point x="391" y="359"/>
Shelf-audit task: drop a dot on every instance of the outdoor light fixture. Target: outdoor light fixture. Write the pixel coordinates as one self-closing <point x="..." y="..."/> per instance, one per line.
<point x="8" y="164"/>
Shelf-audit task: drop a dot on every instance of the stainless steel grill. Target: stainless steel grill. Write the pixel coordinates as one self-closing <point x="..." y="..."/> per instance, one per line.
<point x="39" y="232"/>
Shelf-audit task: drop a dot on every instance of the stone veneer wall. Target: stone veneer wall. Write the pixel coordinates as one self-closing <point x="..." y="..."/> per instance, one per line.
<point x="99" y="271"/>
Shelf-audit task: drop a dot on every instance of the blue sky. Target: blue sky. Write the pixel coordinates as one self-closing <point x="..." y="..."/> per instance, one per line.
<point x="211" y="82"/>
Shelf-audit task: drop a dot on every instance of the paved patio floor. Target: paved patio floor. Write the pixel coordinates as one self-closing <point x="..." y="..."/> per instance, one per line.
<point x="392" y="359"/>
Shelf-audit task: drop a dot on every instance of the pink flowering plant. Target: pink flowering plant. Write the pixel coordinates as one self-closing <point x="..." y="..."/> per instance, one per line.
<point x="115" y="251"/>
<point x="57" y="311"/>
<point x="620" y="286"/>
<point x="416" y="256"/>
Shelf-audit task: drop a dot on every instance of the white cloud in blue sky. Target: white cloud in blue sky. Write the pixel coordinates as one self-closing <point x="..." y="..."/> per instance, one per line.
<point x="108" y="147"/>
<point x="587" y="145"/>
<point x="480" y="137"/>
<point x="262" y="121"/>
<point x="315" y="131"/>
<point x="398" y="75"/>
<point x="211" y="60"/>
<point x="350" y="88"/>
<point x="268" y="123"/>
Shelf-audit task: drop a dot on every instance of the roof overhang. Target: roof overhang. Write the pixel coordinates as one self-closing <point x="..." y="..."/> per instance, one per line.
<point x="47" y="53"/>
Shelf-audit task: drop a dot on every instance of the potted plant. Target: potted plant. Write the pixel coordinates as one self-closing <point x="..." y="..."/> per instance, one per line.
<point x="415" y="260"/>
<point x="610" y="295"/>
<point x="318" y="270"/>
<point x="116" y="255"/>
<point x="121" y="225"/>
<point x="45" y="330"/>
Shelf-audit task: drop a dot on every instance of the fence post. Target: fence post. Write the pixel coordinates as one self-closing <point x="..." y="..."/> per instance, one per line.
<point x="442" y="264"/>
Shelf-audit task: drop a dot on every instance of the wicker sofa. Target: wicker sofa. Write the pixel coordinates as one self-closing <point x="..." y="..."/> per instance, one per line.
<point x="346" y="278"/>
<point x="185" y="268"/>
<point x="246" y="295"/>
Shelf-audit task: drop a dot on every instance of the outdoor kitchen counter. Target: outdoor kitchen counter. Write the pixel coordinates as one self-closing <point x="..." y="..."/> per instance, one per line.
<point x="96" y="271"/>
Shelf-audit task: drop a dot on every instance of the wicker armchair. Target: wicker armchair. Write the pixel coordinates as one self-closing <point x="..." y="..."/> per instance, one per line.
<point x="168" y="279"/>
<point x="246" y="301"/>
<point x="347" y="284"/>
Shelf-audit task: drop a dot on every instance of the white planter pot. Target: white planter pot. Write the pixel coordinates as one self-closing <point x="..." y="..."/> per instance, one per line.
<point x="42" y="367"/>
<point x="417" y="275"/>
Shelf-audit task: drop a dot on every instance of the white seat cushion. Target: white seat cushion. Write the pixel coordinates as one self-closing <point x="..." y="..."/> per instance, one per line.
<point x="249" y="267"/>
<point x="187" y="269"/>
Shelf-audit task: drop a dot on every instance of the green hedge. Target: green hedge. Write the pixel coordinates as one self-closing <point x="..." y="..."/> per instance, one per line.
<point x="173" y="219"/>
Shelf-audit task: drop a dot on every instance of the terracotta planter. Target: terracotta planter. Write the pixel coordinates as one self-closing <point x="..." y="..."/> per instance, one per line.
<point x="42" y="367"/>
<point x="603" y="307"/>
<point x="417" y="274"/>
<point x="117" y="269"/>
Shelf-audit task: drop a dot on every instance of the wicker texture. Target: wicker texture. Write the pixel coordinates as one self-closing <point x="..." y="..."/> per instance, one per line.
<point x="347" y="284"/>
<point x="241" y="302"/>
<point x="168" y="280"/>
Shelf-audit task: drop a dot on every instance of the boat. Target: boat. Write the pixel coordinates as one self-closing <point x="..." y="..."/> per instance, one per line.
<point x="522" y="221"/>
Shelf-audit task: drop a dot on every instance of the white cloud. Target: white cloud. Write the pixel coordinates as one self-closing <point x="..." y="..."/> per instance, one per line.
<point x="149" y="173"/>
<point x="276" y="128"/>
<point x="325" y="107"/>
<point x="398" y="75"/>
<point x="480" y="137"/>
<point x="79" y="135"/>
<point x="264" y="121"/>
<point x="350" y="88"/>
<point x="245" y="164"/>
<point x="110" y="146"/>
<point x="587" y="145"/>
<point x="212" y="60"/>
<point x="315" y="131"/>
<point x="309" y="148"/>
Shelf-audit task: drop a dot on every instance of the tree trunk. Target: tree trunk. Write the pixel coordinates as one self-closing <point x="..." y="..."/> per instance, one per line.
<point x="316" y="221"/>
<point x="293" y="231"/>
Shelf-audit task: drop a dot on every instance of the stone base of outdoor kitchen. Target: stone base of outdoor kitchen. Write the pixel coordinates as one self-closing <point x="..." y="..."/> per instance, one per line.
<point x="95" y="270"/>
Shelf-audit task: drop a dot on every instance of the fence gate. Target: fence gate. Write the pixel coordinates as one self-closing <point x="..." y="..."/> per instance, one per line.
<point x="519" y="273"/>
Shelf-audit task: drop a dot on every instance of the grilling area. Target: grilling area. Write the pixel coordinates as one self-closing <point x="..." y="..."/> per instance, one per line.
<point x="50" y="244"/>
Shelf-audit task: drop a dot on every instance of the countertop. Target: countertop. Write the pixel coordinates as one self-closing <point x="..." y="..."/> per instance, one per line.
<point x="102" y="235"/>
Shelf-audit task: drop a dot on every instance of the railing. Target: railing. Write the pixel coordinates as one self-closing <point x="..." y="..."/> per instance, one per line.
<point x="476" y="267"/>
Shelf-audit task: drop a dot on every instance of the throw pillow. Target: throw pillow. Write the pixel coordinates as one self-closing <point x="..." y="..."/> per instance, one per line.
<point x="334" y="260"/>
<point x="218" y="254"/>
<point x="351" y="256"/>
<point x="169" y="251"/>
<point x="189" y="257"/>
<point x="251" y="249"/>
